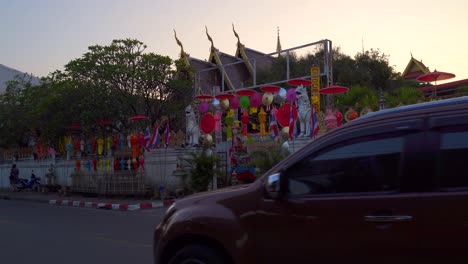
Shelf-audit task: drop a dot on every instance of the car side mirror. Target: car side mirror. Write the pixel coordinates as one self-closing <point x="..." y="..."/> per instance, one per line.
<point x="272" y="186"/>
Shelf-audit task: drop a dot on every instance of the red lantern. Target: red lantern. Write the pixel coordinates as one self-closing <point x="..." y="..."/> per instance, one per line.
<point x="207" y="123"/>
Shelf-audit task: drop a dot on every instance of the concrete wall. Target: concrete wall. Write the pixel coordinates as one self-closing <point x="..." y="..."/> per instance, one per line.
<point x="159" y="166"/>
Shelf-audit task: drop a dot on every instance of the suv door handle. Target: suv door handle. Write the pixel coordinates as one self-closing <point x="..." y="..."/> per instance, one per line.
<point x="388" y="218"/>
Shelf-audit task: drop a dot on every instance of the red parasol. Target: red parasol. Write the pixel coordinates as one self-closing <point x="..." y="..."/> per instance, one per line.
<point x="245" y="92"/>
<point x="204" y="97"/>
<point x="434" y="77"/>
<point x="270" y="88"/>
<point x="224" y="96"/>
<point x="299" y="82"/>
<point x="207" y="123"/>
<point x="334" y="89"/>
<point x="138" y="118"/>
<point x="283" y="114"/>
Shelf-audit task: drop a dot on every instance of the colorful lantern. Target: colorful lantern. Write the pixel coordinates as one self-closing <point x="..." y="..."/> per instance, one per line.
<point x="224" y="100"/>
<point x="203" y="107"/>
<point x="245" y="122"/>
<point x="267" y="99"/>
<point x="207" y="123"/>
<point x="224" y="104"/>
<point x="229" y="121"/>
<point x="217" y="119"/>
<point x="234" y="104"/>
<point x="255" y="100"/>
<point x="330" y="120"/>
<point x="291" y="95"/>
<point x="244" y="102"/>
<point x="262" y="119"/>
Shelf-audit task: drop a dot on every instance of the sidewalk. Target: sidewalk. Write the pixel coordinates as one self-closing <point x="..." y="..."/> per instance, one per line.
<point x="76" y="200"/>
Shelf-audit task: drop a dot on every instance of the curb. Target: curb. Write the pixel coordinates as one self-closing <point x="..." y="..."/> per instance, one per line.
<point x="112" y="206"/>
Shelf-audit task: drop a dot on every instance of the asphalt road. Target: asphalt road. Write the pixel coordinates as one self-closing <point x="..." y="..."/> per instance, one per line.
<point x="47" y="234"/>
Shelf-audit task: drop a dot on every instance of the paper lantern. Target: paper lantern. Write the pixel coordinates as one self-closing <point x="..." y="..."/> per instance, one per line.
<point x="217" y="119"/>
<point x="203" y="107"/>
<point x="244" y="102"/>
<point x="208" y="140"/>
<point x="245" y="122"/>
<point x="234" y="104"/>
<point x="267" y="99"/>
<point x="256" y="100"/>
<point x="291" y="95"/>
<point x="224" y="104"/>
<point x="207" y="123"/>
<point x="229" y="121"/>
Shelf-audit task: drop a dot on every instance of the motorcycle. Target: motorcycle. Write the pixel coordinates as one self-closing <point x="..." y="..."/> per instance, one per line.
<point x="34" y="184"/>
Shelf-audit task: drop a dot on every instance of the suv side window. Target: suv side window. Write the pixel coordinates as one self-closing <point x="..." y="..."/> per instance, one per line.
<point x="453" y="159"/>
<point x="367" y="165"/>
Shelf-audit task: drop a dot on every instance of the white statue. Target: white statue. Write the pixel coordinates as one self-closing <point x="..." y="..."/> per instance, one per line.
<point x="304" y="110"/>
<point x="192" y="127"/>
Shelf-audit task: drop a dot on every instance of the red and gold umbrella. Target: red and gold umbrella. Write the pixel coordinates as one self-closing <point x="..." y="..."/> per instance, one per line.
<point x="434" y="77"/>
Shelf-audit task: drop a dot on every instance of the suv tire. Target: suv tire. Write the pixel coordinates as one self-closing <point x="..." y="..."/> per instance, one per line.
<point x="197" y="254"/>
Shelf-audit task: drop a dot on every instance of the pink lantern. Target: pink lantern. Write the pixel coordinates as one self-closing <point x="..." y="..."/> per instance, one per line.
<point x="255" y="100"/>
<point x="291" y="95"/>
<point x="330" y="120"/>
<point x="234" y="104"/>
<point x="203" y="107"/>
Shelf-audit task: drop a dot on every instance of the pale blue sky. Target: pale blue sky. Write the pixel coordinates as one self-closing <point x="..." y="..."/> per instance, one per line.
<point x="40" y="36"/>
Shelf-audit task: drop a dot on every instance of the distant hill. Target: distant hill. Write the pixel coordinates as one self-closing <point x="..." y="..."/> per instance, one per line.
<point x="8" y="74"/>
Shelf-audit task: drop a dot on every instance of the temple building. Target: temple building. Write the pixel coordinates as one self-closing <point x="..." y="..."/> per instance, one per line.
<point x="416" y="68"/>
<point x="224" y="71"/>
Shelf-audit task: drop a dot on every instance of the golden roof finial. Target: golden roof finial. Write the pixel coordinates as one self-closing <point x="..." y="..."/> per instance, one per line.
<point x="209" y="38"/>
<point x="182" y="52"/>
<point x="235" y="34"/>
<point x="278" y="44"/>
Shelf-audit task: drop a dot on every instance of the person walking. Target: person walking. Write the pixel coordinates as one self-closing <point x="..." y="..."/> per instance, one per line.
<point x="14" y="177"/>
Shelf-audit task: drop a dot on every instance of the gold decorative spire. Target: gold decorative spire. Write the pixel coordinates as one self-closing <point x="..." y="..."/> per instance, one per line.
<point x="278" y="44"/>
<point x="209" y="38"/>
<point x="182" y="52"/>
<point x="235" y="34"/>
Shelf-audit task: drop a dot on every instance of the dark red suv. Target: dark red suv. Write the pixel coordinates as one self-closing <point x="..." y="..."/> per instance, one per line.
<point x="389" y="187"/>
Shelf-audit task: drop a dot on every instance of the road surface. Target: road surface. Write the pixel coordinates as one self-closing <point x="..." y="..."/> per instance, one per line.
<point x="47" y="234"/>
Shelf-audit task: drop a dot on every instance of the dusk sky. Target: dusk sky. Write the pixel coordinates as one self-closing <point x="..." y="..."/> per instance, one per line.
<point x="41" y="36"/>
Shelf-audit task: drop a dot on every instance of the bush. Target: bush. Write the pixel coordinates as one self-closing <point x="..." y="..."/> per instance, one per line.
<point x="200" y="168"/>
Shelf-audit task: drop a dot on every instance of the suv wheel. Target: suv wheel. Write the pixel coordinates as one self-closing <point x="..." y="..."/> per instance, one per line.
<point x="197" y="254"/>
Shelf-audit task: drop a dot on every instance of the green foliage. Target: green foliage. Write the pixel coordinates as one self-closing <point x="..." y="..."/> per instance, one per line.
<point x="265" y="159"/>
<point x="14" y="113"/>
<point x="124" y="81"/>
<point x="462" y="90"/>
<point x="404" y="96"/>
<point x="357" y="97"/>
<point x="200" y="167"/>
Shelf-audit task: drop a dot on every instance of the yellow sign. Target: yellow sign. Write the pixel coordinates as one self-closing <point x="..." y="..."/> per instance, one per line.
<point x="315" y="87"/>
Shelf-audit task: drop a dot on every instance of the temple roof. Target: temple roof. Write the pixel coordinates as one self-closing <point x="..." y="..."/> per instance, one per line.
<point x="238" y="70"/>
<point x="262" y="60"/>
<point x="414" y="69"/>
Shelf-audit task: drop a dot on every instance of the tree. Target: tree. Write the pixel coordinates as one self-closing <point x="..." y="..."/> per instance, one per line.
<point x="15" y="119"/>
<point x="127" y="80"/>
<point x="373" y="69"/>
